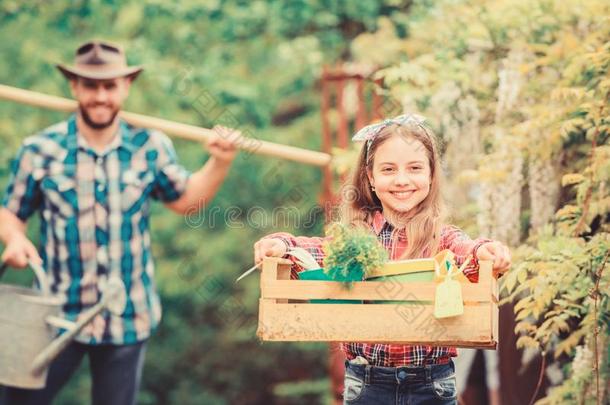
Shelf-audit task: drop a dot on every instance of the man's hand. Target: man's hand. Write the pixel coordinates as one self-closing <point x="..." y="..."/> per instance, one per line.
<point x="498" y="253"/>
<point x="19" y="250"/>
<point x="269" y="248"/>
<point x="223" y="145"/>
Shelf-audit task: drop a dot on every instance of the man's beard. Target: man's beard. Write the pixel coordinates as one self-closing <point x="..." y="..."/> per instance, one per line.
<point x="96" y="125"/>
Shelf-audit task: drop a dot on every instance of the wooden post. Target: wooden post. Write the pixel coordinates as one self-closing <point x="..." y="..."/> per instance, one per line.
<point x="361" y="115"/>
<point x="327" y="186"/>
<point x="377" y="102"/>
<point x="342" y="124"/>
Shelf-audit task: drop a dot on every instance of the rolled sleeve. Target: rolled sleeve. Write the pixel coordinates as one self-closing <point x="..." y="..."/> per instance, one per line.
<point x="171" y="177"/>
<point x="464" y="248"/>
<point x="22" y="196"/>
<point x="313" y="245"/>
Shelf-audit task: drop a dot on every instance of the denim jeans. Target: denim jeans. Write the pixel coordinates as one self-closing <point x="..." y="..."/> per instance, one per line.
<point x="433" y="385"/>
<point x="115" y="373"/>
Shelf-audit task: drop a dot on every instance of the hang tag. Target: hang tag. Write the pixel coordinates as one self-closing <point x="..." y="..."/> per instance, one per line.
<point x="448" y="299"/>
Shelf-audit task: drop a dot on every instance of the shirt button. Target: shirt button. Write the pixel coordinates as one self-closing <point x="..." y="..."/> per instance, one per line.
<point x="102" y="257"/>
<point x="99" y="160"/>
<point x="100" y="188"/>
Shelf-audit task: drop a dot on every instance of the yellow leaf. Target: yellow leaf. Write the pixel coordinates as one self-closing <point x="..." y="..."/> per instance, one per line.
<point x="567" y="344"/>
<point x="509" y="282"/>
<point x="562" y="325"/>
<point x="524" y="313"/>
<point x="522" y="304"/>
<point x="572" y="178"/>
<point x="525" y="327"/>
<point x="522" y="276"/>
<point x="526" y="341"/>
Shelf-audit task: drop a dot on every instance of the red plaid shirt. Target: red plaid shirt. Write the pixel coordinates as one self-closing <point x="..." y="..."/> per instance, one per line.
<point x="396" y="355"/>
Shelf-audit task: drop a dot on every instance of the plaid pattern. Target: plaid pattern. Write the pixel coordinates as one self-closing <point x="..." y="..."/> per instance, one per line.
<point x="394" y="355"/>
<point x="94" y="210"/>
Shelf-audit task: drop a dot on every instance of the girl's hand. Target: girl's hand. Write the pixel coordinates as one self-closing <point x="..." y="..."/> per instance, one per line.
<point x="269" y="248"/>
<point x="498" y="253"/>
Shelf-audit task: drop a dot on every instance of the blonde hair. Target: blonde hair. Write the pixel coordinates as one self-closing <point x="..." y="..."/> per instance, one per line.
<point x="422" y="230"/>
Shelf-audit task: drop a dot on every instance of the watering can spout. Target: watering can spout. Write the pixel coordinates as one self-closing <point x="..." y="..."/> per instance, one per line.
<point x="113" y="298"/>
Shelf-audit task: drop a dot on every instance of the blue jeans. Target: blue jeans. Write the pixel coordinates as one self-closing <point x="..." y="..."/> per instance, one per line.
<point x="115" y="373"/>
<point x="433" y="385"/>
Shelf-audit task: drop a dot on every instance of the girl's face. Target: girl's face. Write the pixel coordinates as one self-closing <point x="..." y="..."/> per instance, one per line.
<point x="400" y="175"/>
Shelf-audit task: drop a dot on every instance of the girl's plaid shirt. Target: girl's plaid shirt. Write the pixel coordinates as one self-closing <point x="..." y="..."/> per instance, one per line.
<point x="396" y="355"/>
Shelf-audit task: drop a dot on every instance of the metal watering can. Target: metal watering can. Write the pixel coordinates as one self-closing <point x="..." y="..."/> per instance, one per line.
<point x="28" y="319"/>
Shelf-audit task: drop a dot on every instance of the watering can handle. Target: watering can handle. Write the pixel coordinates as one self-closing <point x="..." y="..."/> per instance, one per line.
<point x="39" y="272"/>
<point x="41" y="276"/>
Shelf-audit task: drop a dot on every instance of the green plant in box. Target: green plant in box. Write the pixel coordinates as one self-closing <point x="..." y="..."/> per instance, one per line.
<point x="351" y="253"/>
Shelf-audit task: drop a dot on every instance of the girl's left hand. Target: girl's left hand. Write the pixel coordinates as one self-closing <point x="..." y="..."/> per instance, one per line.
<point x="498" y="253"/>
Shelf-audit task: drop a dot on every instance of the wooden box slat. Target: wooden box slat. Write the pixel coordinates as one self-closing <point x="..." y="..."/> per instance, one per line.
<point x="365" y="290"/>
<point x="374" y="323"/>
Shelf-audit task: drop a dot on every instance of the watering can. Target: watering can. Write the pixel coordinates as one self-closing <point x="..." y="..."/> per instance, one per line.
<point x="28" y="319"/>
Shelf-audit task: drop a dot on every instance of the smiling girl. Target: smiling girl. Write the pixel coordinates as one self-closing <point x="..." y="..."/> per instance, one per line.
<point x="397" y="184"/>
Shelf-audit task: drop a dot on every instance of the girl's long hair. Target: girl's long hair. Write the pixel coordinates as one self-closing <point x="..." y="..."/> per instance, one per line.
<point x="422" y="230"/>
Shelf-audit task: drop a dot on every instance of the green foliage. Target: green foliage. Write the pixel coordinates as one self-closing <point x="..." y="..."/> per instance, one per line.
<point x="352" y="253"/>
<point x="554" y="283"/>
<point x="304" y="391"/>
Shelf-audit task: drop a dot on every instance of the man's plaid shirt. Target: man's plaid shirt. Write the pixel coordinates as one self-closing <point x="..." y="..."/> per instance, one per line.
<point x="94" y="219"/>
<point x="395" y="355"/>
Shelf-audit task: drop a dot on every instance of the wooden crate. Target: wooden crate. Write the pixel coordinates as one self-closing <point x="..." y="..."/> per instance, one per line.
<point x="286" y="315"/>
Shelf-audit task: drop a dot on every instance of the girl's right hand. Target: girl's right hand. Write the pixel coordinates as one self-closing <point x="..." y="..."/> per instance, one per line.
<point x="269" y="247"/>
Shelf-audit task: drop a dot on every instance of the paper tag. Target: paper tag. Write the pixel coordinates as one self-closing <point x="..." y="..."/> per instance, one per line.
<point x="448" y="299"/>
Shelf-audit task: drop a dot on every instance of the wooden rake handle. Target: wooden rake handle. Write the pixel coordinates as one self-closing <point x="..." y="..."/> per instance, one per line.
<point x="177" y="129"/>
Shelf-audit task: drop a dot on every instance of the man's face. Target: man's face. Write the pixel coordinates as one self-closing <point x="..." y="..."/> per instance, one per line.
<point x="99" y="101"/>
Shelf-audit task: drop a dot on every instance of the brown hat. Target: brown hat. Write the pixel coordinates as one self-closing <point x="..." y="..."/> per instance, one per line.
<point x="99" y="60"/>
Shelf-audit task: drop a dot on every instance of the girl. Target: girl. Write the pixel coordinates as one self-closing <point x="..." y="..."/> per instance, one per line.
<point x="397" y="196"/>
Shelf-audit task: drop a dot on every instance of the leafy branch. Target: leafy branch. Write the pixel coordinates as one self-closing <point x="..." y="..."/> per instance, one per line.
<point x="352" y="253"/>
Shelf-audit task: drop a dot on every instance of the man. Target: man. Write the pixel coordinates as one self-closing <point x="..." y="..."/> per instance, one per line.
<point x="92" y="178"/>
